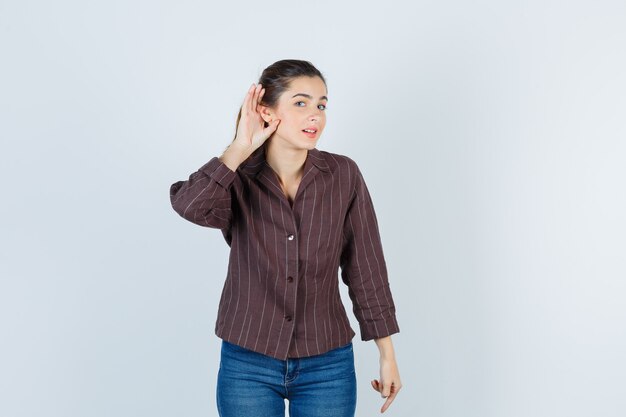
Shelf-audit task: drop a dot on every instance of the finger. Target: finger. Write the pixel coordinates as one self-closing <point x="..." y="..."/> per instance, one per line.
<point x="384" y="390"/>
<point x="255" y="95"/>
<point x="259" y="100"/>
<point x="246" y="100"/>
<point x="388" y="389"/>
<point x="376" y="385"/>
<point x="249" y="98"/>
<point x="388" y="402"/>
<point x="385" y="405"/>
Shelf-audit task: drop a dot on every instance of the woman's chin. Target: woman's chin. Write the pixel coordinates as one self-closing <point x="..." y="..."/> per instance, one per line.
<point x="301" y="141"/>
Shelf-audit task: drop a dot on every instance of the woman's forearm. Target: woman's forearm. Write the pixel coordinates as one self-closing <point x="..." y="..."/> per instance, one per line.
<point x="385" y="346"/>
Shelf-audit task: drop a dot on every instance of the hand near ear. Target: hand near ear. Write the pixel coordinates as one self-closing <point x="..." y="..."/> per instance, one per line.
<point x="251" y="130"/>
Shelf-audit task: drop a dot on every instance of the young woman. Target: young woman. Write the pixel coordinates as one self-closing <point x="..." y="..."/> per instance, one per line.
<point x="292" y="215"/>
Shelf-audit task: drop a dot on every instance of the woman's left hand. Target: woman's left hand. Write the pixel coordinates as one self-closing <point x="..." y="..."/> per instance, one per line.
<point x="389" y="383"/>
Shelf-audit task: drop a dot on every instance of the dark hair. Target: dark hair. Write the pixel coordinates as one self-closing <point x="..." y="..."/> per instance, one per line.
<point x="277" y="78"/>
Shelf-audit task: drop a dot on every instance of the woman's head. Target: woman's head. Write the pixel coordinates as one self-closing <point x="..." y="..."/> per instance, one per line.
<point x="295" y="93"/>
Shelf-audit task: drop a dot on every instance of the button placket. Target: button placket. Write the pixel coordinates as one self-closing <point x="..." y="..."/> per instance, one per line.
<point x="293" y="251"/>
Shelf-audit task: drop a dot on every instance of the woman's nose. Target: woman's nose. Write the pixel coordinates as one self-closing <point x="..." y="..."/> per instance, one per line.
<point x="316" y="115"/>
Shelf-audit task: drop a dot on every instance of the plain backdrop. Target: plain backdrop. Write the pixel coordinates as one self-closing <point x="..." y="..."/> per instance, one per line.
<point x="491" y="135"/>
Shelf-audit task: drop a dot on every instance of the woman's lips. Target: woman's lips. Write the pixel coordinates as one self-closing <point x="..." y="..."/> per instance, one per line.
<point x="309" y="134"/>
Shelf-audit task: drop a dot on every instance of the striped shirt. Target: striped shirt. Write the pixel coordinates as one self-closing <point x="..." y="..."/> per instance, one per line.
<point x="281" y="293"/>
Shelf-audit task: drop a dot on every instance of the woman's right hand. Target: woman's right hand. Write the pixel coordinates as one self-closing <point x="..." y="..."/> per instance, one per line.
<point x="251" y="130"/>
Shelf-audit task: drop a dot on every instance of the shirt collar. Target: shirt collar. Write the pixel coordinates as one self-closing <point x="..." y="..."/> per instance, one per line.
<point x="256" y="161"/>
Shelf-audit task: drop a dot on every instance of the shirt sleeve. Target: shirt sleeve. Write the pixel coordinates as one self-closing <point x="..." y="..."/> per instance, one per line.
<point x="204" y="198"/>
<point x="363" y="267"/>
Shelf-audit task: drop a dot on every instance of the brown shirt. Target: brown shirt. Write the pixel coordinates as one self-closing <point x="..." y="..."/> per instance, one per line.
<point x="281" y="295"/>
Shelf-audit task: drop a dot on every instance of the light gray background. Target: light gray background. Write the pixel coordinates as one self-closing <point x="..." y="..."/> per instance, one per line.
<point x="492" y="138"/>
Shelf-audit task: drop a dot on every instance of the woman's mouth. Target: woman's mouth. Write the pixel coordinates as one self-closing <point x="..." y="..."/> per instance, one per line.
<point x="312" y="133"/>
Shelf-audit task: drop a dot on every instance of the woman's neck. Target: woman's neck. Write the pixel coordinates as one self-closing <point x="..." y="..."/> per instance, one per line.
<point x="287" y="162"/>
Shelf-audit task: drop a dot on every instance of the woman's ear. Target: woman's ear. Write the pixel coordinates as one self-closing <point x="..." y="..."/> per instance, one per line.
<point x="266" y="113"/>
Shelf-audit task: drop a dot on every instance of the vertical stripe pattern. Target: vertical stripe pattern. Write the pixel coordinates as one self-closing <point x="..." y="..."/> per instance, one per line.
<point x="281" y="294"/>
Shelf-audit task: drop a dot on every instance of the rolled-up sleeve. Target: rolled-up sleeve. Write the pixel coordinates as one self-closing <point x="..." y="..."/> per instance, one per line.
<point x="363" y="267"/>
<point x="204" y="198"/>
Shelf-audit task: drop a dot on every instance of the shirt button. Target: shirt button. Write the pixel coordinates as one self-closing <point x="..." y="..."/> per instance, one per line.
<point x="288" y="318"/>
<point x="290" y="237"/>
<point x="289" y="279"/>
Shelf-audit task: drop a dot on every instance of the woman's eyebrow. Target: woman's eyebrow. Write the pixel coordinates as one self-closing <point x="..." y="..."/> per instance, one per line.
<point x="308" y="96"/>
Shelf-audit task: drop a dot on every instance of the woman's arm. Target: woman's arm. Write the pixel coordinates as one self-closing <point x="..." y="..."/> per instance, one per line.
<point x="385" y="347"/>
<point x="364" y="270"/>
<point x="363" y="266"/>
<point x="204" y="198"/>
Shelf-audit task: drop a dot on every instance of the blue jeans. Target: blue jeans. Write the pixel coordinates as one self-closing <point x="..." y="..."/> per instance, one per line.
<point x="250" y="384"/>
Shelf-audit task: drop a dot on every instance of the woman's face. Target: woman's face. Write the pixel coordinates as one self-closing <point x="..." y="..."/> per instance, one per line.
<point x="302" y="106"/>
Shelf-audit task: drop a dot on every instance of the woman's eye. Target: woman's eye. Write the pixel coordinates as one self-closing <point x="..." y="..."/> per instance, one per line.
<point x="298" y="102"/>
